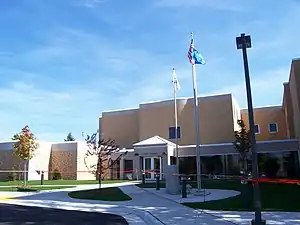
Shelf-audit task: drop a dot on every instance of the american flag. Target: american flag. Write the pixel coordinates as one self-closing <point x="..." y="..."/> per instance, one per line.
<point x="194" y="56"/>
<point x="190" y="52"/>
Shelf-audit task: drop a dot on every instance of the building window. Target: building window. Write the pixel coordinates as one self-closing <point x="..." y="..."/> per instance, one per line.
<point x="172" y="134"/>
<point x="128" y="169"/>
<point x="273" y="128"/>
<point x="256" y="129"/>
<point x="172" y="160"/>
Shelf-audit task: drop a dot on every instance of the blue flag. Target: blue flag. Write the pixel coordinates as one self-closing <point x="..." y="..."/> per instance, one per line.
<point x="194" y="56"/>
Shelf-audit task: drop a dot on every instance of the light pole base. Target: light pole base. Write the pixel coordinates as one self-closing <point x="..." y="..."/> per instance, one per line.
<point x="254" y="222"/>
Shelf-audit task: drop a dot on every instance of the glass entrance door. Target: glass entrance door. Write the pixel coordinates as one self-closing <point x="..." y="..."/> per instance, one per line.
<point x="147" y="168"/>
<point x="152" y="165"/>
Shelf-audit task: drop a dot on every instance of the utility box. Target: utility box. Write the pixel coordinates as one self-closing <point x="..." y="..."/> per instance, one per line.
<point x="172" y="180"/>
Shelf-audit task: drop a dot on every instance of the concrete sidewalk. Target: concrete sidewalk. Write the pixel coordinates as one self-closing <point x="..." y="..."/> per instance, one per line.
<point x="73" y="185"/>
<point x="167" y="211"/>
<point x="185" y="215"/>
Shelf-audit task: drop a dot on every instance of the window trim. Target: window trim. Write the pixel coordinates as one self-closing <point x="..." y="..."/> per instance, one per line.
<point x="273" y="132"/>
<point x="258" y="128"/>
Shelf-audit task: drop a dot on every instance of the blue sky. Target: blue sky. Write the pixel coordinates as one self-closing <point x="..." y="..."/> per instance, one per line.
<point x="64" y="62"/>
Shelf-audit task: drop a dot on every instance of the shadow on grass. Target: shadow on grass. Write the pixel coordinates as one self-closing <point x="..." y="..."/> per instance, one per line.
<point x="103" y="194"/>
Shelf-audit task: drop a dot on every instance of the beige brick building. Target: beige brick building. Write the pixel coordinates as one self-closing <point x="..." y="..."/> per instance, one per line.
<point x="66" y="157"/>
<point x="150" y="133"/>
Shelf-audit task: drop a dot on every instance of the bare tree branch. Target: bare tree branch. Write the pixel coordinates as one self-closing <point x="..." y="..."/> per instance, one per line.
<point x="103" y="150"/>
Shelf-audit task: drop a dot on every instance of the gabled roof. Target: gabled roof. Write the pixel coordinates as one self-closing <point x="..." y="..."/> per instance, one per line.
<point x="156" y="140"/>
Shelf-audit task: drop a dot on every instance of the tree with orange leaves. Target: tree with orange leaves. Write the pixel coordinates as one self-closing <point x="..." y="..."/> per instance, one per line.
<point x="25" y="146"/>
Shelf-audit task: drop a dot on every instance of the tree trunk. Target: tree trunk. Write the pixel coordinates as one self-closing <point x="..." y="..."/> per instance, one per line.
<point x="244" y="164"/>
<point x="25" y="173"/>
<point x="99" y="170"/>
<point x="99" y="180"/>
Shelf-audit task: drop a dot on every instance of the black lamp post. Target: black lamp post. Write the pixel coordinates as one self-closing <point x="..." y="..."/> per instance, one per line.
<point x="243" y="42"/>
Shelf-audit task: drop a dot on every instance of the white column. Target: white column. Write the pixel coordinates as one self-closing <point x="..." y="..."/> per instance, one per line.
<point x="121" y="168"/>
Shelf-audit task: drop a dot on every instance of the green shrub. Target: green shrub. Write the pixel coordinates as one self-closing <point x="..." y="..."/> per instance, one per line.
<point x="25" y="188"/>
<point x="11" y="177"/>
<point x="56" y="175"/>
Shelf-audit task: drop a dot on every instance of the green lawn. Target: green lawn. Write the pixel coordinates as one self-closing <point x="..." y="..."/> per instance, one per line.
<point x="60" y="182"/>
<point x="274" y="197"/>
<point x="35" y="188"/>
<point x="103" y="194"/>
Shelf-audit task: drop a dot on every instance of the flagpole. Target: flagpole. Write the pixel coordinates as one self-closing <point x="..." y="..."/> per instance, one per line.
<point x="196" y="112"/>
<point x="176" y="125"/>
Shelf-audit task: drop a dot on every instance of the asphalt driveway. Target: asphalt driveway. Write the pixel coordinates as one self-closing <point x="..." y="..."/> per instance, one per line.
<point x="27" y="215"/>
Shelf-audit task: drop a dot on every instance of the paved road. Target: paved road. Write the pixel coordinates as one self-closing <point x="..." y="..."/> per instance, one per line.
<point x="25" y="215"/>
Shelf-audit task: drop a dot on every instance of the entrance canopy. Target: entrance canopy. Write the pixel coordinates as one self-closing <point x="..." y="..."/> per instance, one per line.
<point x="153" y="141"/>
<point x="154" y="146"/>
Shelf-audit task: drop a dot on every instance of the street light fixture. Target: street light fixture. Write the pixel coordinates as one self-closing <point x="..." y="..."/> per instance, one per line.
<point x="243" y="42"/>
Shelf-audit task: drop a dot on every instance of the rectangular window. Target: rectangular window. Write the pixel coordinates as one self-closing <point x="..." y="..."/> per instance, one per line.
<point x="128" y="165"/>
<point x="273" y="128"/>
<point x="128" y="169"/>
<point x="172" y="134"/>
<point x="173" y="160"/>
<point x="256" y="129"/>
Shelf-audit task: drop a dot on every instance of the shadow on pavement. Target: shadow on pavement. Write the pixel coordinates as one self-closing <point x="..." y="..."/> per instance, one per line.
<point x="21" y="215"/>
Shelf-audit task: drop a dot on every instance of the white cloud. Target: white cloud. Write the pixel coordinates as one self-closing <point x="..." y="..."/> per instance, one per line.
<point x="55" y="109"/>
<point x="25" y="93"/>
<point x="267" y="88"/>
<point x="227" y="5"/>
<point x="89" y="3"/>
<point x="278" y="37"/>
<point x="22" y="103"/>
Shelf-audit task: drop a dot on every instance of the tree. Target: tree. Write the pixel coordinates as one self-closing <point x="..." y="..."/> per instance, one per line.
<point x="69" y="137"/>
<point x="25" y="146"/>
<point x="102" y="150"/>
<point x="56" y="175"/>
<point x="15" y="137"/>
<point x="242" y="143"/>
